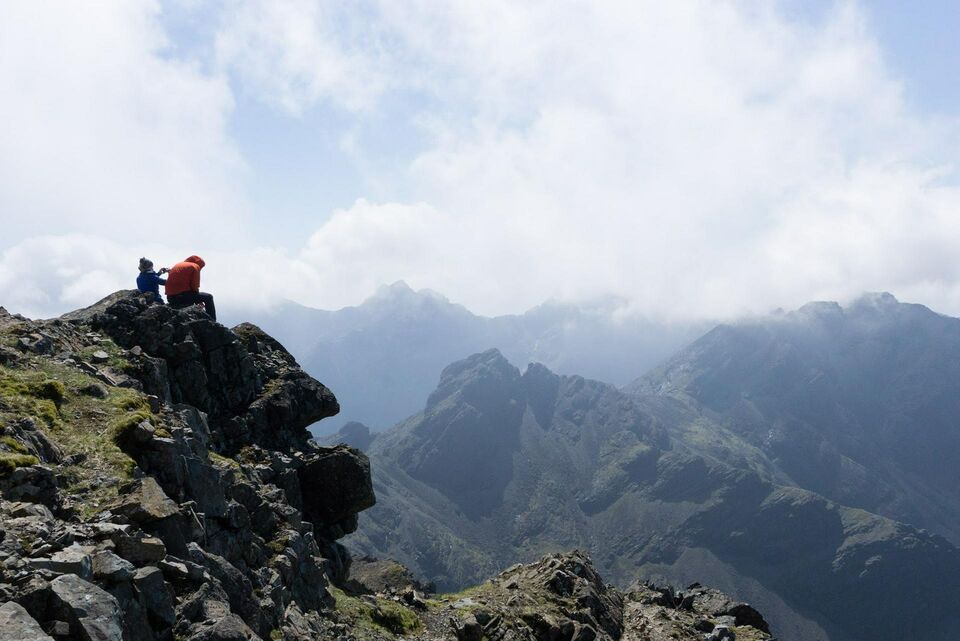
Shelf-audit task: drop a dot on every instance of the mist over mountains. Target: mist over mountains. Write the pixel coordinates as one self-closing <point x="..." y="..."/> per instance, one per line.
<point x="385" y="356"/>
<point x="803" y="461"/>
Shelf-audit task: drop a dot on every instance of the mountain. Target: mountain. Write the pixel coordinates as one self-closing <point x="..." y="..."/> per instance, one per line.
<point x="385" y="355"/>
<point x="158" y="483"/>
<point x="501" y="466"/>
<point x="860" y="404"/>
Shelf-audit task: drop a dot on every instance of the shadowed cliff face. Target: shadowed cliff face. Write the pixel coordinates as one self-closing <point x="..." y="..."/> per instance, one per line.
<point x="860" y="404"/>
<point x="466" y="443"/>
<point x="592" y="467"/>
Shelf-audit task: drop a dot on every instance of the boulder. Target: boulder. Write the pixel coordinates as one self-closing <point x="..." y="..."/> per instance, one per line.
<point x="33" y="483"/>
<point x="72" y="560"/>
<point x="93" y="614"/>
<point x="156" y="596"/>
<point x="140" y="551"/>
<point x="229" y="628"/>
<point x="16" y="624"/>
<point x="717" y="604"/>
<point x="238" y="588"/>
<point x="335" y="484"/>
<point x="722" y="633"/>
<point x="145" y="502"/>
<point x="93" y="389"/>
<point x="109" y="567"/>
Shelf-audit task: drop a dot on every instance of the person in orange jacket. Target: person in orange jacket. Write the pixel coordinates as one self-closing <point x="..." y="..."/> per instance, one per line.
<point x="183" y="286"/>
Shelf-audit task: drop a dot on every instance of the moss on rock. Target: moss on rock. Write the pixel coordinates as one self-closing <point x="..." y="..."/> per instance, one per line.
<point x="14" y="445"/>
<point x="121" y="428"/>
<point x="10" y="462"/>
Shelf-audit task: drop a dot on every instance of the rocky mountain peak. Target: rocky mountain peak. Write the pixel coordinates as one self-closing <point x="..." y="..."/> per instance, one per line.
<point x="399" y="297"/>
<point x="876" y="300"/>
<point x="157" y="480"/>
<point x="819" y="310"/>
<point x="477" y="379"/>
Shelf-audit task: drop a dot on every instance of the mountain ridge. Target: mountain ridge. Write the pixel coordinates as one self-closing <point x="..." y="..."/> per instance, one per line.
<point x="385" y="355"/>
<point x="857" y="403"/>
<point x="645" y="504"/>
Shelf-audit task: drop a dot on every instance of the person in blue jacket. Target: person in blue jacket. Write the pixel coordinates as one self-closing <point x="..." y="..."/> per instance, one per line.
<point x="150" y="281"/>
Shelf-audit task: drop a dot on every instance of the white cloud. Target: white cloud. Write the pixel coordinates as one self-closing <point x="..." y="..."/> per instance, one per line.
<point x="45" y="275"/>
<point x="696" y="158"/>
<point x="297" y="52"/>
<point x="693" y="157"/>
<point x="102" y="133"/>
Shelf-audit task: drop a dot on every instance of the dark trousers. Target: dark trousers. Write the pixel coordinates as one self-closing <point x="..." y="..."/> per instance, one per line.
<point x="186" y="299"/>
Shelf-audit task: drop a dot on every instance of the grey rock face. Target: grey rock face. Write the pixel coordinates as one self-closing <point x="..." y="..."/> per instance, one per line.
<point x="338" y="467"/>
<point x="140" y="551"/>
<point x="156" y="595"/>
<point x="246" y="382"/>
<point x="144" y="502"/>
<point x="93" y="614"/>
<point x="16" y="624"/>
<point x="238" y="588"/>
<point x="111" y="568"/>
<point x="229" y="628"/>
<point x="72" y="560"/>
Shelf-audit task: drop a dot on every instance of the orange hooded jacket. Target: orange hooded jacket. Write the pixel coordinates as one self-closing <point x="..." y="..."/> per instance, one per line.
<point x="184" y="277"/>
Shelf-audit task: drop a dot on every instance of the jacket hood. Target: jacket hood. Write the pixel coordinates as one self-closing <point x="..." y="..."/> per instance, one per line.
<point x="196" y="260"/>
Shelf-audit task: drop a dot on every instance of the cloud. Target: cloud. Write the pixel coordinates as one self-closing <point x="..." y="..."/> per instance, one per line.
<point x="297" y="52"/>
<point x="46" y="275"/>
<point x="697" y="158"/>
<point x="105" y="133"/>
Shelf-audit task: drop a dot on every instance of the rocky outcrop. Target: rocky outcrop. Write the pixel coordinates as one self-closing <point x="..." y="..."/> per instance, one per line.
<point x="172" y="490"/>
<point x="249" y="386"/>
<point x="562" y="597"/>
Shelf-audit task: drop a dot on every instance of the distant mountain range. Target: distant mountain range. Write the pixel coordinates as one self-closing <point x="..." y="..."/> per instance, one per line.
<point x="384" y="357"/>
<point x="804" y="461"/>
<point x="860" y="404"/>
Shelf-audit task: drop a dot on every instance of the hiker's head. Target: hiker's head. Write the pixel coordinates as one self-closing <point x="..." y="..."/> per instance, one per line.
<point x="146" y="264"/>
<point x="196" y="260"/>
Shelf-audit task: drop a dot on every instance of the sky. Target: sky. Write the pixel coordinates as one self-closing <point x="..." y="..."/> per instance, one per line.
<point x="694" y="158"/>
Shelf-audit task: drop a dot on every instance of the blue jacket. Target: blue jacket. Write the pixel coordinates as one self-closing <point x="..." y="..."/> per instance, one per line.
<point x="150" y="282"/>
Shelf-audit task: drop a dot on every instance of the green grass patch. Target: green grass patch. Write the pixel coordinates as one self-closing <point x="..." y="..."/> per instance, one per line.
<point x="395" y="617"/>
<point x="80" y="424"/>
<point x="128" y="400"/>
<point x="278" y="545"/>
<point x="13" y="444"/>
<point x="122" y="427"/>
<point x="115" y="354"/>
<point x="374" y="619"/>
<point x="220" y="459"/>
<point x="10" y="462"/>
<point x="31" y="393"/>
